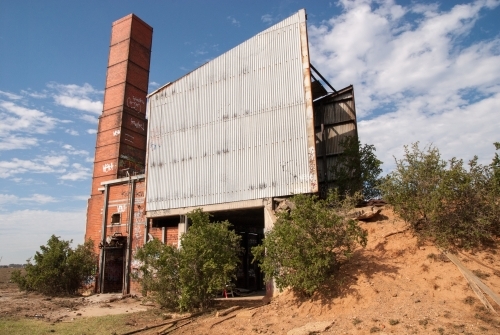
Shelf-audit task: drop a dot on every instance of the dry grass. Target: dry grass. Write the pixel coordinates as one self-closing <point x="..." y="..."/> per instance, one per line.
<point x="109" y="324"/>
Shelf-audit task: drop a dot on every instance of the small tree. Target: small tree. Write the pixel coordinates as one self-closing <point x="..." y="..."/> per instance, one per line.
<point x="189" y="277"/>
<point x="307" y="245"/>
<point x="57" y="268"/>
<point x="495" y="167"/>
<point x="411" y="187"/>
<point x="209" y="258"/>
<point x="453" y="205"/>
<point x="159" y="272"/>
<point x="357" y="169"/>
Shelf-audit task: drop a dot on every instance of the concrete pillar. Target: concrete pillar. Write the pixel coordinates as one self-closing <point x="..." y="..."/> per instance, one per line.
<point x="181" y="229"/>
<point x="269" y="220"/>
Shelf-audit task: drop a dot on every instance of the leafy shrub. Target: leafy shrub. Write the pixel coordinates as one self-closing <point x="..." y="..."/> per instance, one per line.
<point x="357" y="169"/>
<point x="189" y="277"/>
<point x="307" y="245"/>
<point x="57" y="268"/>
<point x="209" y="258"/>
<point x="159" y="272"/>
<point x="445" y="201"/>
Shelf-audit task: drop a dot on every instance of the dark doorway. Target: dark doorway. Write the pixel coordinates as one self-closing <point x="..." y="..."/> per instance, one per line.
<point x="114" y="263"/>
<point x="249" y="224"/>
<point x="249" y="276"/>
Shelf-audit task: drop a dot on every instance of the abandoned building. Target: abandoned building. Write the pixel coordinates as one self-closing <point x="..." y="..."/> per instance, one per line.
<point x="235" y="136"/>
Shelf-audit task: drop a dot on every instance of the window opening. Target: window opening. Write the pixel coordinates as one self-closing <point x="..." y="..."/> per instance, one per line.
<point x="116" y="218"/>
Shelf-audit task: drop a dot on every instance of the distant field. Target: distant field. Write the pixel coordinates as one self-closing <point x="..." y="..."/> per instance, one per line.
<point x="5" y="277"/>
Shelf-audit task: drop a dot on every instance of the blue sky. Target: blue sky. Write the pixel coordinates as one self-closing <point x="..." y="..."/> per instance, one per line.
<point x="422" y="71"/>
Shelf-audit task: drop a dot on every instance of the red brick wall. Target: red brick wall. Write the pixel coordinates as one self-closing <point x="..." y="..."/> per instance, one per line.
<point x="94" y="220"/>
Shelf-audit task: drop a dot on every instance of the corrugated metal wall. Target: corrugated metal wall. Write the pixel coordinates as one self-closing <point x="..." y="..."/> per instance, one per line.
<point x="236" y="128"/>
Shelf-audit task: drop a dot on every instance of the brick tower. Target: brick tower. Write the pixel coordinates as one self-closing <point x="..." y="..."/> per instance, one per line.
<point x="121" y="136"/>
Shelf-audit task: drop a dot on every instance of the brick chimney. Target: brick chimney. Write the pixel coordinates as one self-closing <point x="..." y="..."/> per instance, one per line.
<point x="121" y="135"/>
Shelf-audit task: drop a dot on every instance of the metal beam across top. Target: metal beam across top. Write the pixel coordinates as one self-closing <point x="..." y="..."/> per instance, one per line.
<point x="322" y="78"/>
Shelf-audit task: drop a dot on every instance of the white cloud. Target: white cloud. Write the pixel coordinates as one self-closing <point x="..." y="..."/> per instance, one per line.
<point x="38" y="198"/>
<point x="91" y="131"/>
<point x="55" y="160"/>
<point x="10" y="96"/>
<point x="89" y="118"/>
<point x="414" y="74"/>
<point x="233" y="21"/>
<point x="83" y="98"/>
<point x="79" y="103"/>
<point x="72" y="132"/>
<point x="34" y="94"/>
<point x="267" y="18"/>
<point x="72" y="151"/>
<point x="78" y="172"/>
<point x="17" y="118"/>
<point x="18" y="166"/>
<point x="7" y="198"/>
<point x="22" y="232"/>
<point x="13" y="142"/>
<point x="153" y="84"/>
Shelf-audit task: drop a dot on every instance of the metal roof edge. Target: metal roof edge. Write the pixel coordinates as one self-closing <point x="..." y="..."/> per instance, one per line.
<point x="123" y="180"/>
<point x="158" y="89"/>
<point x="302" y="18"/>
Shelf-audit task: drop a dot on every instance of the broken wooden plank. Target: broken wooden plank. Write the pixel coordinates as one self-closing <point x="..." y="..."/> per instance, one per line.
<point x="479" y="262"/>
<point x="396" y="232"/>
<point x="170" y="325"/>
<point x="227" y="311"/>
<point x="476" y="282"/>
<point x="163" y="324"/>
<point x="176" y="327"/>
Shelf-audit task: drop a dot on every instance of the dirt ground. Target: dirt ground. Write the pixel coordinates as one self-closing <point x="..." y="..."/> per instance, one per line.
<point x="394" y="285"/>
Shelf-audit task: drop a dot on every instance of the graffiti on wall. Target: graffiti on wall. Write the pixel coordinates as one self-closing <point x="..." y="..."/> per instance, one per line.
<point x="139" y="216"/>
<point x="137" y="124"/>
<point x="129" y="138"/>
<point x="135" y="103"/>
<point x="108" y="167"/>
<point x="138" y="194"/>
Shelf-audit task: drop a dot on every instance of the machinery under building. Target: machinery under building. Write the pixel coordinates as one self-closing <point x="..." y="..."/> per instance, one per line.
<point x="234" y="137"/>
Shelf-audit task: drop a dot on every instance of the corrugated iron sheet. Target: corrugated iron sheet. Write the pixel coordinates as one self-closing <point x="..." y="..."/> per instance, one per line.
<point x="237" y="127"/>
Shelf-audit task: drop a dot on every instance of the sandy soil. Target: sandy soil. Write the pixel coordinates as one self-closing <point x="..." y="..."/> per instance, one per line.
<point x="394" y="285"/>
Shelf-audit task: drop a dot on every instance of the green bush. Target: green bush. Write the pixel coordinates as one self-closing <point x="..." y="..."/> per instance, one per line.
<point x="57" y="268"/>
<point x="454" y="205"/>
<point x="209" y="259"/>
<point x="190" y="277"/>
<point x="159" y="273"/>
<point x="307" y="245"/>
<point x="357" y="169"/>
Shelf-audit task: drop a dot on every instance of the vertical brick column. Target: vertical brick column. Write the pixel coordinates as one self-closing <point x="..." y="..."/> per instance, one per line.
<point x="121" y="133"/>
